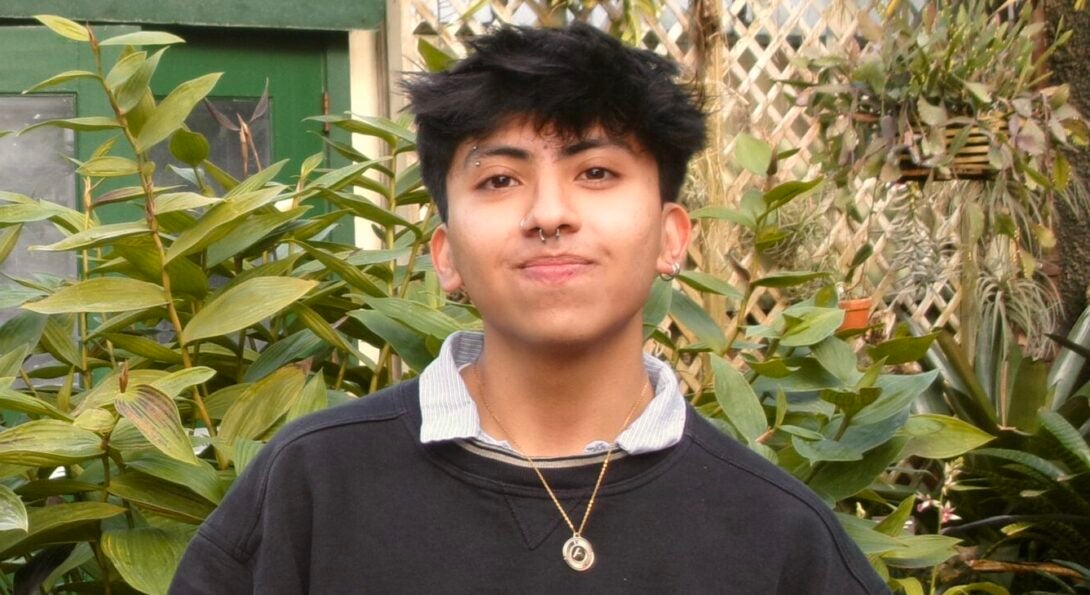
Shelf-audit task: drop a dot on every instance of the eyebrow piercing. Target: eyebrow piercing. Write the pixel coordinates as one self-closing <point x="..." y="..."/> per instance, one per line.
<point x="476" y="163"/>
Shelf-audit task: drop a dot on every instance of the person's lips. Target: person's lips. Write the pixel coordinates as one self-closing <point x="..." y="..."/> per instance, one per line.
<point x="554" y="269"/>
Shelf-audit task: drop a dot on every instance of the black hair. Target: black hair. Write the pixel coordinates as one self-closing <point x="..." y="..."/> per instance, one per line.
<point x="568" y="80"/>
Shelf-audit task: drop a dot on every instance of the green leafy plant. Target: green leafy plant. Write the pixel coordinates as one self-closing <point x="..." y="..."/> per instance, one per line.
<point x="957" y="91"/>
<point x="196" y="328"/>
<point x="832" y="411"/>
<point x="1022" y="499"/>
<point x="133" y="394"/>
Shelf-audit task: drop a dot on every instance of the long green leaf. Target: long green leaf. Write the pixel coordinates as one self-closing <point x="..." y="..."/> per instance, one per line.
<point x="131" y="92"/>
<point x="696" y="320"/>
<point x="64" y="27"/>
<point x="48" y="442"/>
<point x="1068" y="364"/>
<point x="143" y="38"/>
<point x="250" y="232"/>
<point x="144" y="347"/>
<point x="55" y="524"/>
<point x="160" y="496"/>
<point x="1068" y="437"/>
<point x="87" y="124"/>
<point x="346" y="270"/>
<point x="220" y="220"/>
<point x="416" y="316"/>
<point x="199" y="477"/>
<point x="709" y="283"/>
<point x="315" y="397"/>
<point x="739" y="403"/>
<point x="13" y="515"/>
<point x="839" y="480"/>
<point x="1031" y="461"/>
<point x="57" y="339"/>
<point x="174" y="383"/>
<point x="265" y="402"/>
<point x="106" y="390"/>
<point x="752" y="153"/>
<point x="409" y="345"/>
<point x="157" y="418"/>
<point x="60" y="78"/>
<point x="787" y="279"/>
<point x="811" y="325"/>
<point x="11" y="400"/>
<point x="146" y="557"/>
<point x="108" y="166"/>
<point x="171" y="113"/>
<point x="922" y="551"/>
<point x="246" y="304"/>
<point x="942" y="437"/>
<point x="106" y="294"/>
<point x="318" y="325"/>
<point x="97" y="236"/>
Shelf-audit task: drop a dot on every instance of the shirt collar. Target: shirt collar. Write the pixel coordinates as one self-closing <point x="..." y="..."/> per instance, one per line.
<point x="449" y="412"/>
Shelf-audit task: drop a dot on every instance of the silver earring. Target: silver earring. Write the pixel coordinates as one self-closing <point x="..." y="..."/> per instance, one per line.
<point x="675" y="270"/>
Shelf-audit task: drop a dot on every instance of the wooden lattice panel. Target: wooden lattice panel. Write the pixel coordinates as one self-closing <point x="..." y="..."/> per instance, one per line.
<point x="759" y="44"/>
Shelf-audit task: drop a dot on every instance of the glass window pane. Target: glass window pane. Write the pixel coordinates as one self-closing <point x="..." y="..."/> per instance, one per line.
<point x="34" y="164"/>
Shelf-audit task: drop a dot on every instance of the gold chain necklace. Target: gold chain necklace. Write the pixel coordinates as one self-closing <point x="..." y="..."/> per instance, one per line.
<point x="577" y="551"/>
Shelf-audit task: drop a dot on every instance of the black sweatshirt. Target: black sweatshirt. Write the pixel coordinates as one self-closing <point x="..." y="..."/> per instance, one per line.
<point x="348" y="500"/>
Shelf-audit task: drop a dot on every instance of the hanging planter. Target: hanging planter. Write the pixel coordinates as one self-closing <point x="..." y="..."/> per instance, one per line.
<point x="966" y="143"/>
<point x="969" y="145"/>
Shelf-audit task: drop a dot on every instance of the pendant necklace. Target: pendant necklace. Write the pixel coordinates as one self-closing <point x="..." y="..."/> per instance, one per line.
<point x="577" y="551"/>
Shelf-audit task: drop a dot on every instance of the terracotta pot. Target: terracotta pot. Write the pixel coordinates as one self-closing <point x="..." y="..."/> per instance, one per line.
<point x="856" y="313"/>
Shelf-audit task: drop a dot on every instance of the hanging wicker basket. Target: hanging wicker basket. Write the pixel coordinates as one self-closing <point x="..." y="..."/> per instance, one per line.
<point x="970" y="162"/>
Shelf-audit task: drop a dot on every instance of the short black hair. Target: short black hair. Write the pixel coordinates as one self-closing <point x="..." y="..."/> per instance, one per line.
<point x="568" y="80"/>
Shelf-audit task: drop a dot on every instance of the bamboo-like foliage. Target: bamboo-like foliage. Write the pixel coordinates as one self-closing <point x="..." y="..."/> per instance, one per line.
<point x="200" y="327"/>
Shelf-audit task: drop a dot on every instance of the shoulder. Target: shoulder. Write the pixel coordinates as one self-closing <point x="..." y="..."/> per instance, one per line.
<point x="790" y="513"/>
<point x="728" y="456"/>
<point x="331" y="445"/>
<point x="385" y="405"/>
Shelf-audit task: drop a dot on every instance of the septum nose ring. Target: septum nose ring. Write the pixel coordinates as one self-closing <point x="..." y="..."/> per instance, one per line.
<point x="540" y="231"/>
<point x="541" y="234"/>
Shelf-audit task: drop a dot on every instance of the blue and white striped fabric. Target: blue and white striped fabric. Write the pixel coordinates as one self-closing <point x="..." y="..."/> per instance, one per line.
<point x="449" y="412"/>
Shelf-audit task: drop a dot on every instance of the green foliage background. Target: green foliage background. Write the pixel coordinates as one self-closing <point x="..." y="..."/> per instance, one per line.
<point x="196" y="331"/>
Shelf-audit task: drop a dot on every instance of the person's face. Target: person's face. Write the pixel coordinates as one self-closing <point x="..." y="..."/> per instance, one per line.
<point x="508" y="190"/>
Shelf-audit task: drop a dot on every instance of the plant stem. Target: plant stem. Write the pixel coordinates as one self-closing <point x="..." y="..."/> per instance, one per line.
<point x="88" y="208"/>
<point x="153" y="226"/>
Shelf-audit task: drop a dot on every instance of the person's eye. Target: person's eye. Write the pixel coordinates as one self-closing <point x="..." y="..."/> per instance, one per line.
<point x="498" y="183"/>
<point x="597" y="174"/>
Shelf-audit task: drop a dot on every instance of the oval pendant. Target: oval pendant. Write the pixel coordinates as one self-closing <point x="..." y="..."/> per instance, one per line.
<point x="578" y="553"/>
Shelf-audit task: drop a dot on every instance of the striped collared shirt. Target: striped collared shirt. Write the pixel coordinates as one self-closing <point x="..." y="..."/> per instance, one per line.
<point x="449" y="412"/>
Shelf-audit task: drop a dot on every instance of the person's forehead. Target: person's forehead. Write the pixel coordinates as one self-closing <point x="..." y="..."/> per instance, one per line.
<point x="527" y="134"/>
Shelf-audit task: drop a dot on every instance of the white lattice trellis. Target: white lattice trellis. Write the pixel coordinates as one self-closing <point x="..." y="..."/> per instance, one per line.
<point x="754" y="50"/>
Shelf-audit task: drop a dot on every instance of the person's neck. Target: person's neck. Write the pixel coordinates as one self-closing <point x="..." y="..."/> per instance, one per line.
<point x="553" y="402"/>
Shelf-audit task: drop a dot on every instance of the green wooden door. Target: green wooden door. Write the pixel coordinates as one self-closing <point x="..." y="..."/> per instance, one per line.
<point x="306" y="74"/>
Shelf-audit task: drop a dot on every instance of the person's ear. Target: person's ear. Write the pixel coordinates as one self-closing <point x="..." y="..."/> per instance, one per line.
<point x="443" y="260"/>
<point x="676" y="230"/>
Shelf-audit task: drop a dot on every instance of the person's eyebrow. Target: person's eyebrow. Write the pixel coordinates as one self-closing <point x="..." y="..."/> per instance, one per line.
<point x="594" y="143"/>
<point x="496" y="151"/>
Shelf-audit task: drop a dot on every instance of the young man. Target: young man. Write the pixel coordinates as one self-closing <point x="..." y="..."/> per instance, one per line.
<point x="548" y="453"/>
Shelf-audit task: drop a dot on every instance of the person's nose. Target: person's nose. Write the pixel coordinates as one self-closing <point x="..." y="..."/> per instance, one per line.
<point x="552" y="212"/>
